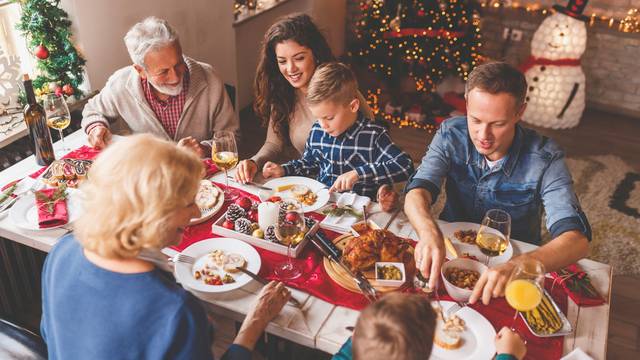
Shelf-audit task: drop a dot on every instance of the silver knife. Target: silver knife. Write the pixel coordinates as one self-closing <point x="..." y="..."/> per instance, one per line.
<point x="262" y="281"/>
<point x="261" y="187"/>
<point x="363" y="283"/>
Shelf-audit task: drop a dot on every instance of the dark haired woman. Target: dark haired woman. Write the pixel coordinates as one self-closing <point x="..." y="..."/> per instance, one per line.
<point x="291" y="50"/>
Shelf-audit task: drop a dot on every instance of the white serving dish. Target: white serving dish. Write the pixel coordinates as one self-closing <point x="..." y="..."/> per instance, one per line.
<point x="383" y="282"/>
<point x="218" y="229"/>
<point x="566" y="328"/>
<point x="457" y="293"/>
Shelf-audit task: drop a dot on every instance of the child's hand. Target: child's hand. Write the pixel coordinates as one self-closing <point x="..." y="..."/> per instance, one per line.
<point x="345" y="181"/>
<point x="272" y="170"/>
<point x="509" y="342"/>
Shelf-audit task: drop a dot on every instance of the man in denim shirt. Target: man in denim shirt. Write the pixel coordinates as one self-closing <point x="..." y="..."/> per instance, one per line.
<point x="491" y="162"/>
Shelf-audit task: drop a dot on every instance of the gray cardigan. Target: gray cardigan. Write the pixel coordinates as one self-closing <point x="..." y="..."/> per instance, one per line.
<point x="121" y="106"/>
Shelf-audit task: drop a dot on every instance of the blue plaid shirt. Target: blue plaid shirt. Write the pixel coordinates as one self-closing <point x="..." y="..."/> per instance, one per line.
<point x="365" y="147"/>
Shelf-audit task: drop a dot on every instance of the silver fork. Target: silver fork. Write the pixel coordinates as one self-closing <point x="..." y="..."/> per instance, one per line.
<point x="9" y="203"/>
<point x="179" y="257"/>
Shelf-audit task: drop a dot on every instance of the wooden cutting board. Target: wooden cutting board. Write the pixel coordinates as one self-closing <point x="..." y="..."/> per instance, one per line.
<point x="342" y="278"/>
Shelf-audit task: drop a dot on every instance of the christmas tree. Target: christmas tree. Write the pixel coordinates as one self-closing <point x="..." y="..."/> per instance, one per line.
<point x="425" y="40"/>
<point x="47" y="30"/>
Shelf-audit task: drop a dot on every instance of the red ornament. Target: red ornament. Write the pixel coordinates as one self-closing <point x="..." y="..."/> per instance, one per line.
<point x="292" y="217"/>
<point x="41" y="52"/>
<point x="421" y="13"/>
<point x="68" y="90"/>
<point x="274" y="199"/>
<point x="252" y="215"/>
<point x="228" y="224"/>
<point x="244" y="202"/>
<point x="58" y="91"/>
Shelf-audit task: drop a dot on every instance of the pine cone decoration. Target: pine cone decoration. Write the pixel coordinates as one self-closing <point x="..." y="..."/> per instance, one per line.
<point x="270" y="234"/>
<point x="243" y="225"/>
<point x="235" y="212"/>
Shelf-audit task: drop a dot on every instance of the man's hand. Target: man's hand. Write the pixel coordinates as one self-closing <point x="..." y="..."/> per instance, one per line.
<point x="345" y="181"/>
<point x="245" y="171"/>
<point x="272" y="170"/>
<point x="99" y="136"/>
<point x="192" y="144"/>
<point x="492" y="283"/>
<point x="429" y="255"/>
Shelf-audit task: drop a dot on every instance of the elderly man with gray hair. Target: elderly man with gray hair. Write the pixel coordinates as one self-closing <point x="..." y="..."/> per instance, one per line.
<point x="164" y="93"/>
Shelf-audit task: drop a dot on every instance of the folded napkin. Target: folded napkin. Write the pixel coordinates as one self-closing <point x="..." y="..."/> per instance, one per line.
<point x="342" y="223"/>
<point x="52" y="207"/>
<point x="577" y="285"/>
<point x="210" y="167"/>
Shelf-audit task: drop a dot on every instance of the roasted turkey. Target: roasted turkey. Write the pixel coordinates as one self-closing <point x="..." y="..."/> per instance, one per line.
<point x="362" y="252"/>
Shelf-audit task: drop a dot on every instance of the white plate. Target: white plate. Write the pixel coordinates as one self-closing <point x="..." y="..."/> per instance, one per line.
<point x="449" y="228"/>
<point x="199" y="250"/>
<point x="317" y="187"/>
<point x="24" y="213"/>
<point x="477" y="338"/>
<point x="210" y="212"/>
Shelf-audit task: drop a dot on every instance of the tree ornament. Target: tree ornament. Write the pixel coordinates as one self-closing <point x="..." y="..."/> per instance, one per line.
<point x="396" y="23"/>
<point x="244" y="202"/>
<point x="258" y="233"/>
<point x="53" y="86"/>
<point x="41" y="52"/>
<point x="68" y="90"/>
<point x="58" y="91"/>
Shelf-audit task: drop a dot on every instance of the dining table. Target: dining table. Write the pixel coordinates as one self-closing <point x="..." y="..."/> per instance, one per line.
<point x="318" y="323"/>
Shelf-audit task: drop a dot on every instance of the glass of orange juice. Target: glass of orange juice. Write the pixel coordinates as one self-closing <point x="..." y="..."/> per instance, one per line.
<point x="524" y="289"/>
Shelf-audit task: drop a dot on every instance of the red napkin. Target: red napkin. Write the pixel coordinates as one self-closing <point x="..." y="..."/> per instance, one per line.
<point x="570" y="279"/>
<point x="50" y="216"/>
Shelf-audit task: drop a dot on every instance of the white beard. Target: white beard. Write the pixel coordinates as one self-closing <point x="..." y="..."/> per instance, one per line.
<point x="167" y="90"/>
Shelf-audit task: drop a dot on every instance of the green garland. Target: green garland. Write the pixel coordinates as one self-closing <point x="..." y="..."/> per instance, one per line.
<point x="43" y="22"/>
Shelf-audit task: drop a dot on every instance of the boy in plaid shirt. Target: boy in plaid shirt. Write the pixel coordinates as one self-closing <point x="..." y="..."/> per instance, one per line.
<point x="344" y="149"/>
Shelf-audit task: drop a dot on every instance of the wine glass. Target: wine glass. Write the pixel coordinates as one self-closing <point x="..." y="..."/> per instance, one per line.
<point x="524" y="289"/>
<point x="493" y="236"/>
<point x="57" y="116"/>
<point x="290" y="230"/>
<point x="224" y="154"/>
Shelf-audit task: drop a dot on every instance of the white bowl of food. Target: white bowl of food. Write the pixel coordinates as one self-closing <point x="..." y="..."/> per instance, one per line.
<point x="460" y="276"/>
<point x="390" y="273"/>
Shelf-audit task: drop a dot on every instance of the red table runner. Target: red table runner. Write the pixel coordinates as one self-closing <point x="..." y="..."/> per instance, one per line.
<point x="318" y="283"/>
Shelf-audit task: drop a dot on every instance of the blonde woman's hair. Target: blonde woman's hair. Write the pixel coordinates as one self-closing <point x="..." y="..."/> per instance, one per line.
<point x="334" y="82"/>
<point x="398" y="326"/>
<point x="133" y="189"/>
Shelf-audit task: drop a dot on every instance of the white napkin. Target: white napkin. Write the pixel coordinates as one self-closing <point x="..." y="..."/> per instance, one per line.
<point x="343" y="223"/>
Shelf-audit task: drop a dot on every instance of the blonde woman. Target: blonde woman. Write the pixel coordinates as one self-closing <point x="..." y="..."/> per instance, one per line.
<point x="100" y="301"/>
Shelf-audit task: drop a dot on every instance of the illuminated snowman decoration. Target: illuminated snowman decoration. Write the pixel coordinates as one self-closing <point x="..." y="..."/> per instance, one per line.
<point x="556" y="95"/>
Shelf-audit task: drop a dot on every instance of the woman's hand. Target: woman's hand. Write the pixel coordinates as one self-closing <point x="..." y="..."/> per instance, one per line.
<point x="245" y="171"/>
<point x="272" y="170"/>
<point x="271" y="299"/>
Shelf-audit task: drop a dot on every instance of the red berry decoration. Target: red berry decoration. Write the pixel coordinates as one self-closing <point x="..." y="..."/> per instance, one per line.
<point x="68" y="90"/>
<point x="244" y="202"/>
<point x="228" y="224"/>
<point x="292" y="217"/>
<point x="252" y="215"/>
<point x="41" y="52"/>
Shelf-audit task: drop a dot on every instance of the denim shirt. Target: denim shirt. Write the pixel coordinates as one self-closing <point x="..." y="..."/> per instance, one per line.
<point x="532" y="176"/>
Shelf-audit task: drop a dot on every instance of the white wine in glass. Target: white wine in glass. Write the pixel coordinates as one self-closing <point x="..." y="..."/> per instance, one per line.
<point x="224" y="153"/>
<point x="494" y="232"/>
<point x="58" y="116"/>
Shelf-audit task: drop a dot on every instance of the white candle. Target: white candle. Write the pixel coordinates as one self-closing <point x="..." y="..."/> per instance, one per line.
<point x="267" y="214"/>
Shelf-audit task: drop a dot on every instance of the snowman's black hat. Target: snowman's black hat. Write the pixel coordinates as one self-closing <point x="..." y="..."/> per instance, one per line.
<point x="574" y="9"/>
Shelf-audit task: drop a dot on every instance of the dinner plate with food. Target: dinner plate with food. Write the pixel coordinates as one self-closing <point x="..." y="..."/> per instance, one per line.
<point x="466" y="334"/>
<point x="24" y="213"/>
<point x="216" y="260"/>
<point x="209" y="200"/>
<point x="311" y="193"/>
<point x="463" y="237"/>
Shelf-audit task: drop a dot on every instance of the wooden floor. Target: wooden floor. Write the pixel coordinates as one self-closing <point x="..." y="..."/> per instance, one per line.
<point x="599" y="133"/>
